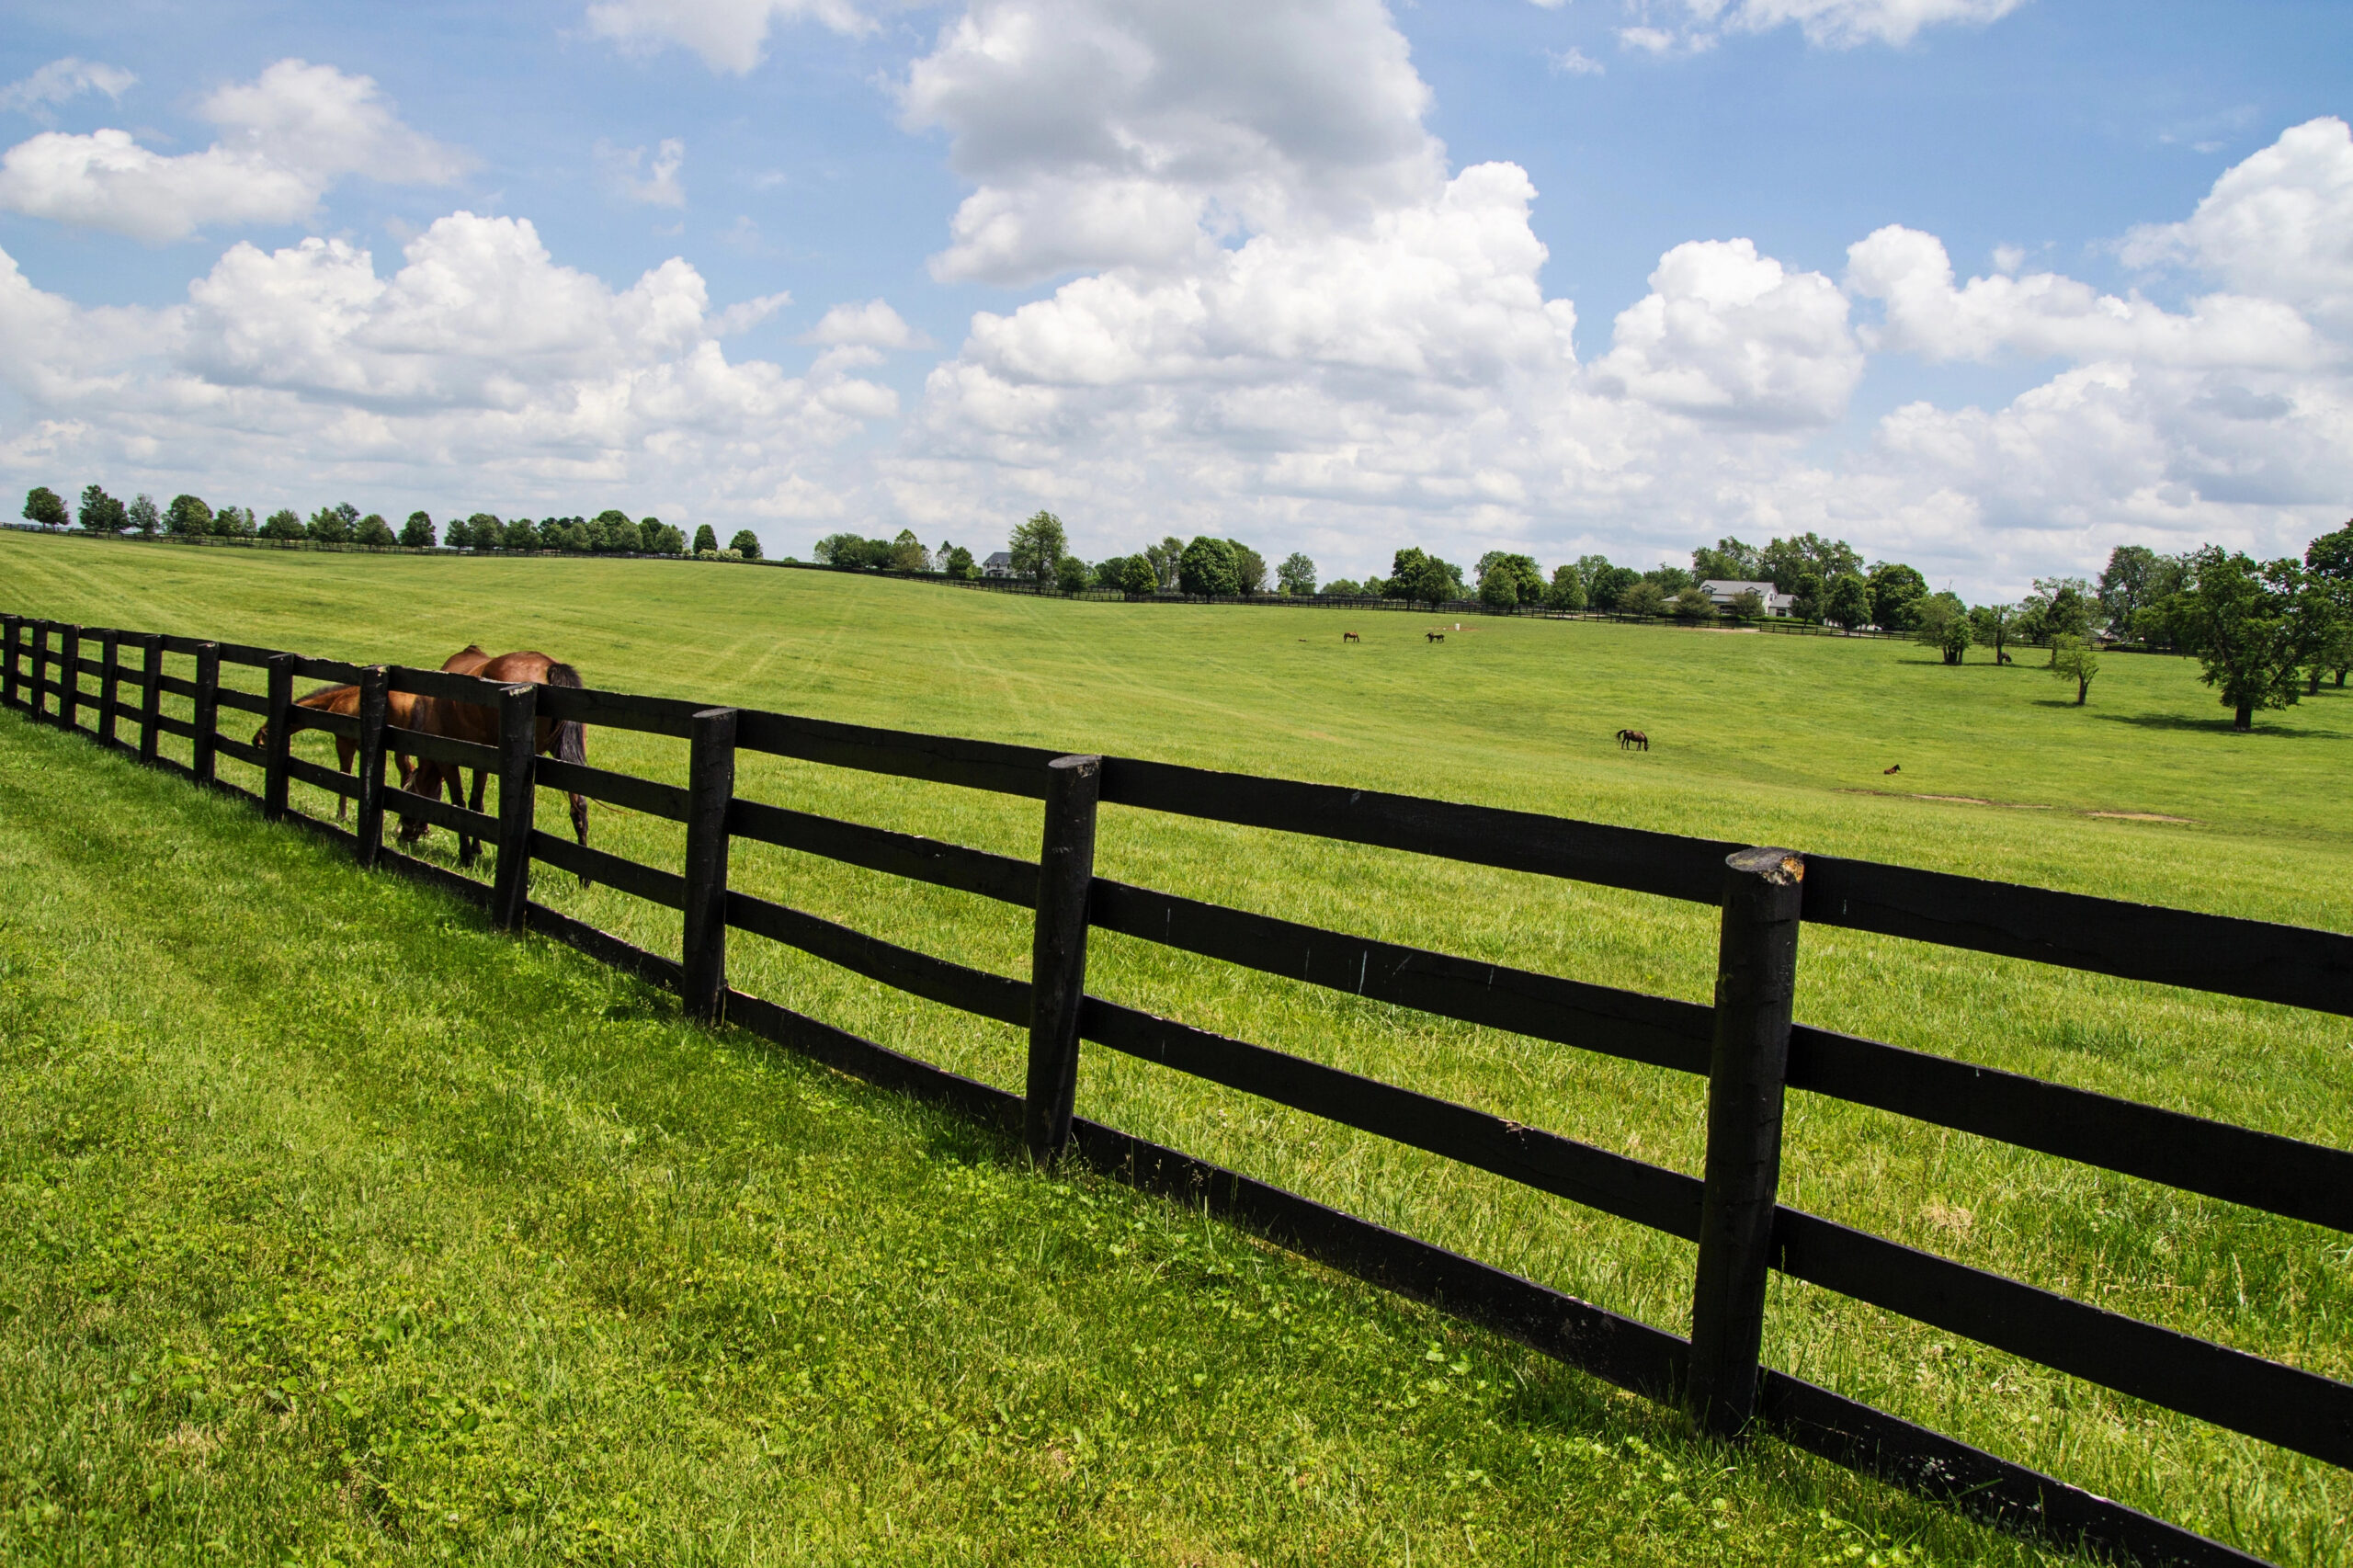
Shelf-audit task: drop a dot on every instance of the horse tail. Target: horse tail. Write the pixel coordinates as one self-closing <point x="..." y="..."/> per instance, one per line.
<point x="571" y="736"/>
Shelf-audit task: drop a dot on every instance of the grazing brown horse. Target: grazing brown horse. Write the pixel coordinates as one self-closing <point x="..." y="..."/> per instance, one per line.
<point x="1350" y="637"/>
<point x="478" y="722"/>
<point x="345" y="700"/>
<point x="1634" y="739"/>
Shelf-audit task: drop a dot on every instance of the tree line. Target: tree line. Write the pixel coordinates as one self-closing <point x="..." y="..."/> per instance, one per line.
<point x="189" y="517"/>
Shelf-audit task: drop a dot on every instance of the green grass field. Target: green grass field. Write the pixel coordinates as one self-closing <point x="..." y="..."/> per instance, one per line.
<point x="1770" y="739"/>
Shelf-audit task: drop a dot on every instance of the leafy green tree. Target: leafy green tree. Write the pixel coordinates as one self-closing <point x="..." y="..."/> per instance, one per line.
<point x="1297" y="576"/>
<point x="1848" y="602"/>
<point x="707" y="537"/>
<point x="1340" y="588"/>
<point x="1111" y="572"/>
<point x="2251" y="627"/>
<point x="1989" y="625"/>
<point x="141" y="513"/>
<point x="1037" y="547"/>
<point x="1071" y="574"/>
<point x="1249" y="569"/>
<point x="649" y="536"/>
<point x="1746" y="605"/>
<point x="1499" y="591"/>
<point x="374" y="532"/>
<point x="1423" y="578"/>
<point x="834" y="550"/>
<point x="1164" y="557"/>
<point x="961" y="564"/>
<point x="1788" y="561"/>
<point x="519" y="533"/>
<point x="1568" y="590"/>
<point x="45" y="507"/>
<point x="1897" y="592"/>
<point x="747" y="543"/>
<point x="234" y="522"/>
<point x="1641" y="596"/>
<point x="2328" y="568"/>
<point x="187" y="518"/>
<point x="1527" y="579"/>
<point x="484" y="531"/>
<point x="333" y="524"/>
<point x="284" y="524"/>
<point x="2137" y="578"/>
<point x="1671" y="580"/>
<point x="1139" y="579"/>
<point x="1940" y="621"/>
<point x="1207" y="567"/>
<point x="2076" y="659"/>
<point x="1610" y="584"/>
<point x="1728" y="562"/>
<point x="101" y="513"/>
<point x="907" y="553"/>
<point x="1693" y="604"/>
<point x="2059" y="606"/>
<point x="418" y="532"/>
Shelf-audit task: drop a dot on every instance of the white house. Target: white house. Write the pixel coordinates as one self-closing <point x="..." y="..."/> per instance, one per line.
<point x="1776" y="602"/>
<point x="997" y="566"/>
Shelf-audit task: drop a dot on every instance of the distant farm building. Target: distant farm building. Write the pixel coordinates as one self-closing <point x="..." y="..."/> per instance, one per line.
<point x="997" y="566"/>
<point x="1776" y="602"/>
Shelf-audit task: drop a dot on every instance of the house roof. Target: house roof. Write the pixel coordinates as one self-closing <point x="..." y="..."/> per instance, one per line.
<point x="1002" y="557"/>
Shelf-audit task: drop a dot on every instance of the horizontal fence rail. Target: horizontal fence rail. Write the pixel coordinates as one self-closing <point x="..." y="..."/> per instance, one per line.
<point x="1746" y="1048"/>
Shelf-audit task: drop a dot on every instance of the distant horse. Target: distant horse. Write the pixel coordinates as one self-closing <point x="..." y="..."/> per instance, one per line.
<point x="1350" y="637"/>
<point x="1897" y="768"/>
<point x="345" y="700"/>
<point x="478" y="722"/>
<point x="1435" y="636"/>
<point x="1633" y="739"/>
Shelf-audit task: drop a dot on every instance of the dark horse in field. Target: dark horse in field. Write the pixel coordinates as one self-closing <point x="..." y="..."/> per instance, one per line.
<point x="562" y="738"/>
<point x="1633" y="739"/>
<point x="398" y="710"/>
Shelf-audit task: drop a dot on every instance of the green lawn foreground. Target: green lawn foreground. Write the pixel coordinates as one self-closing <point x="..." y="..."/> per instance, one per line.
<point x="334" y="1227"/>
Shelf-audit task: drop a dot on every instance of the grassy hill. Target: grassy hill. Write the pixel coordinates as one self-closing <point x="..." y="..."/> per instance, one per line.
<point x="1771" y="739"/>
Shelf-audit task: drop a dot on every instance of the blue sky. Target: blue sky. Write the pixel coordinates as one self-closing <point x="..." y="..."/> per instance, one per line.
<point x="1284" y="287"/>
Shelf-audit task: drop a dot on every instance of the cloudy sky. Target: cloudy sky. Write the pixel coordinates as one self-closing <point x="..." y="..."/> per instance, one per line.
<point x="1986" y="285"/>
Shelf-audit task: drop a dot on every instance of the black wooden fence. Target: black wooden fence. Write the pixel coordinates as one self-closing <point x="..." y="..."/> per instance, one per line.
<point x="1746" y="1047"/>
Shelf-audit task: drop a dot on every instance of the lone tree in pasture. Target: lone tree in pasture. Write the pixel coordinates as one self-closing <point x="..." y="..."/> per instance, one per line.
<point x="1037" y="547"/>
<point x="747" y="544"/>
<point x="187" y="518"/>
<point x="1297" y="576"/>
<point x="1693" y="605"/>
<point x="45" y="507"/>
<point x="1991" y="625"/>
<point x="418" y="532"/>
<point x="706" y="537"/>
<point x="2076" y="659"/>
<point x="1940" y="622"/>
<point x="1141" y="579"/>
<point x="1847" y="602"/>
<point x="283" y="524"/>
<point x="2253" y="628"/>
<point x="101" y="513"/>
<point x="1207" y="567"/>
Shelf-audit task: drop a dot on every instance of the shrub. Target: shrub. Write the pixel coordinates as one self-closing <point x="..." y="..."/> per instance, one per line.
<point x="1642" y="598"/>
<point x="705" y="541"/>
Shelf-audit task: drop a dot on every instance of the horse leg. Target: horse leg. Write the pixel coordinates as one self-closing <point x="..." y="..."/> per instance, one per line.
<point x="472" y="850"/>
<point x="344" y="752"/>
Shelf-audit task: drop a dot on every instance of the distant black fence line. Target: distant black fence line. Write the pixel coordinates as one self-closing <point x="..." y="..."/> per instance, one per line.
<point x="1746" y="1045"/>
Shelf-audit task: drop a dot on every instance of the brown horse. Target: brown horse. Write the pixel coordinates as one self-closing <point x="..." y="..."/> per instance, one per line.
<point x="345" y="700"/>
<point x="478" y="722"/>
<point x="1634" y="739"/>
<point x="1350" y="637"/>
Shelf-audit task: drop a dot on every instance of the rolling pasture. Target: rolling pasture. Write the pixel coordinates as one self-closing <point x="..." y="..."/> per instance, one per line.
<point x="2144" y="794"/>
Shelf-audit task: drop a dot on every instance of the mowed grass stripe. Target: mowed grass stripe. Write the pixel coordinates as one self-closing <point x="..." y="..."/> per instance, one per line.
<point x="1759" y="738"/>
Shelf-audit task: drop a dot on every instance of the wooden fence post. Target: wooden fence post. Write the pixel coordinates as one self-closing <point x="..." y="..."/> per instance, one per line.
<point x="11" y="631"/>
<point x="1756" y="969"/>
<point x="41" y="668"/>
<point x="1058" y="952"/>
<point x="68" y="660"/>
<point x="711" y="785"/>
<point x="281" y="735"/>
<point x="150" y="695"/>
<point x="109" y="684"/>
<point x="375" y="694"/>
<point x="518" y="746"/>
<point x="208" y="710"/>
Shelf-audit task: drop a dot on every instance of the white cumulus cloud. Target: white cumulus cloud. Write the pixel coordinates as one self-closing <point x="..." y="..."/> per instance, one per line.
<point x="872" y="325"/>
<point x="1728" y="334"/>
<point x="284" y="139"/>
<point x="626" y="170"/>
